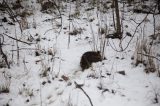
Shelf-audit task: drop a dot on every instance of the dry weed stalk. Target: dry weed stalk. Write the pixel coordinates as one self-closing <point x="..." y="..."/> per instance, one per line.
<point x="24" y="23"/>
<point x="144" y="55"/>
<point x="5" y="83"/>
<point x="3" y="56"/>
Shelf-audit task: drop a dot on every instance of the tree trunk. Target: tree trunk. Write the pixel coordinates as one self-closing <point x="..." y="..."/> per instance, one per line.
<point x="158" y="2"/>
<point x="119" y="34"/>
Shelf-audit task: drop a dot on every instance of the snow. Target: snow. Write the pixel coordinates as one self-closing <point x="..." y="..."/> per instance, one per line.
<point x="37" y="80"/>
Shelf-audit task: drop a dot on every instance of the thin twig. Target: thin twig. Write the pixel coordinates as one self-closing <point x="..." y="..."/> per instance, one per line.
<point x="69" y="37"/>
<point x="17" y="48"/>
<point x="40" y="93"/>
<point x="131" y="37"/>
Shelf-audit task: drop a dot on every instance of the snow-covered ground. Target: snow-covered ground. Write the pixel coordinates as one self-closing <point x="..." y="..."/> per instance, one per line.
<point x="48" y="79"/>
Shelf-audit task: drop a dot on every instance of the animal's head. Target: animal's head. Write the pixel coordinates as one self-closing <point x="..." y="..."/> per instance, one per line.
<point x="99" y="57"/>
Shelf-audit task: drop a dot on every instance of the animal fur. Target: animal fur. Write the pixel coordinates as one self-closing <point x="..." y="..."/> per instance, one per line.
<point x="88" y="58"/>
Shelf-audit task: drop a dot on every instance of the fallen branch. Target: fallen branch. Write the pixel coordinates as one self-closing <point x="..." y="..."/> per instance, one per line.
<point x="18" y="39"/>
<point x="25" y="49"/>
<point x="80" y="87"/>
<point x="150" y="56"/>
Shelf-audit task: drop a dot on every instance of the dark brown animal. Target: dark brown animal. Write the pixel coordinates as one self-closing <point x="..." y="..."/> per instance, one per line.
<point x="88" y="58"/>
